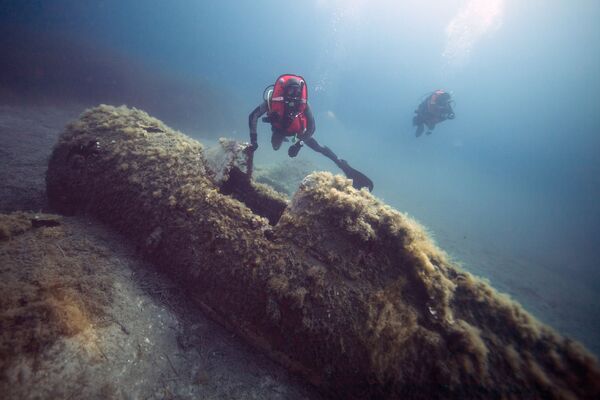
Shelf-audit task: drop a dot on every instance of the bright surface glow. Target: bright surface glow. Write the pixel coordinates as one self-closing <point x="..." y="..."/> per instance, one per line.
<point x="474" y="20"/>
<point x="403" y="23"/>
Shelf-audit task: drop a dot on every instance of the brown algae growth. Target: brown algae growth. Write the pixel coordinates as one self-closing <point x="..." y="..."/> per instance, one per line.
<point x="339" y="287"/>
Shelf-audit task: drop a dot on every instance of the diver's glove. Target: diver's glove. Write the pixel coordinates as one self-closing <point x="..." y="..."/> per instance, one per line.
<point x="253" y="142"/>
<point x="294" y="149"/>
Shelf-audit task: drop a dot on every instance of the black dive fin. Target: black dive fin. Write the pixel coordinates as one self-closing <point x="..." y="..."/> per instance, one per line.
<point x="359" y="180"/>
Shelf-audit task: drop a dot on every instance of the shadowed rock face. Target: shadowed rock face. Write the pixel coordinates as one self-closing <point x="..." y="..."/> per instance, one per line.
<point x="342" y="289"/>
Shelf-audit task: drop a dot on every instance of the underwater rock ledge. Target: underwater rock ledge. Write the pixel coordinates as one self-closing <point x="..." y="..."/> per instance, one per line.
<point x="341" y="288"/>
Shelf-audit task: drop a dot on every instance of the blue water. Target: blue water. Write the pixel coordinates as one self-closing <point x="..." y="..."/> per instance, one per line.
<point x="510" y="188"/>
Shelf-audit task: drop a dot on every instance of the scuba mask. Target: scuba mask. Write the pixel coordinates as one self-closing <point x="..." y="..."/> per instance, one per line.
<point x="292" y="92"/>
<point x="292" y="100"/>
<point x="293" y="95"/>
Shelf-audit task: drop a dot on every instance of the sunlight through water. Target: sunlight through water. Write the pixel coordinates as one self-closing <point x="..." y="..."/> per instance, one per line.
<point x="474" y="20"/>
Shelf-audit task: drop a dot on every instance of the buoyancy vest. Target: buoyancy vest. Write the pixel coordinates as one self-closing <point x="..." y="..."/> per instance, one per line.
<point x="433" y="107"/>
<point x="284" y="118"/>
<point x="434" y="97"/>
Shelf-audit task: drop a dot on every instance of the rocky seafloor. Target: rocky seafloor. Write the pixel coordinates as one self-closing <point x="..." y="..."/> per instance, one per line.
<point x="339" y="288"/>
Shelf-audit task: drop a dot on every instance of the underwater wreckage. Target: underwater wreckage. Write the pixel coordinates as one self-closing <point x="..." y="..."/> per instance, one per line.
<point x="334" y="284"/>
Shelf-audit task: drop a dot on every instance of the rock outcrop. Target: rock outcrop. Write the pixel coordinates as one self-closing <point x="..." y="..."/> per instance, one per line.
<point x="336" y="285"/>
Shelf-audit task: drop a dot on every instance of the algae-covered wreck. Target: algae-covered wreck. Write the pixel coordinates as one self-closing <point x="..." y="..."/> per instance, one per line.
<point x="336" y="285"/>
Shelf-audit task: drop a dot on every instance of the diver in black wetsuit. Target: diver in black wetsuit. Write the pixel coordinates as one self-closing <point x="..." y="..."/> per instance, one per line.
<point x="280" y="135"/>
<point x="436" y="108"/>
<point x="290" y="115"/>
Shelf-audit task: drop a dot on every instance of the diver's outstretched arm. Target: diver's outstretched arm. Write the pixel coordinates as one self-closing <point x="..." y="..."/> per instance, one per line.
<point x="252" y="121"/>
